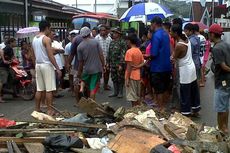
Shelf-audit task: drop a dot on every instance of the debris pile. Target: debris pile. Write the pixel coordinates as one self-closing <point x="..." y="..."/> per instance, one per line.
<point x="102" y="130"/>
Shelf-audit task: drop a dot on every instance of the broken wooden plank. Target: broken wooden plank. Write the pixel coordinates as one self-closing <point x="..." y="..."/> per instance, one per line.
<point x="15" y="146"/>
<point x="100" y="126"/>
<point x="9" y="147"/>
<point x="161" y="129"/>
<point x="18" y="126"/>
<point x="191" y="133"/>
<point x="54" y="108"/>
<point x="77" y="150"/>
<point x="4" y="150"/>
<point x="170" y="131"/>
<point x="22" y="140"/>
<point x="46" y="133"/>
<point x="133" y="140"/>
<point x="15" y="131"/>
<point x="92" y="108"/>
<point x="34" y="147"/>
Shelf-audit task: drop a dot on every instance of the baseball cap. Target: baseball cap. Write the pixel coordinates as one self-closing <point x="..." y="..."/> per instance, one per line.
<point x="117" y="30"/>
<point x="85" y="31"/>
<point x="74" y="32"/>
<point x="216" y="28"/>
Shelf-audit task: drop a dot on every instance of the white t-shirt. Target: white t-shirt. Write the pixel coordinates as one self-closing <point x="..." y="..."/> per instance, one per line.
<point x="57" y="45"/>
<point x="68" y="51"/>
<point x="2" y="45"/>
<point x="202" y="47"/>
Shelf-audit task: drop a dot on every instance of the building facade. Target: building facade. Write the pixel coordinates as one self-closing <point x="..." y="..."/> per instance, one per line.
<point x="13" y="15"/>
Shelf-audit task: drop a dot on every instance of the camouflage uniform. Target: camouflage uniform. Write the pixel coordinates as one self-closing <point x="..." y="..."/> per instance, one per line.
<point x="116" y="58"/>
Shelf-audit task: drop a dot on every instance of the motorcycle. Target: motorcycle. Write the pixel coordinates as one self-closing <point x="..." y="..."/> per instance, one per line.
<point x="20" y="82"/>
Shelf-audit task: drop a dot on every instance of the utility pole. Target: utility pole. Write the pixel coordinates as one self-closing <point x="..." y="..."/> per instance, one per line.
<point x="95" y="6"/>
<point x="26" y="13"/>
<point x="213" y="11"/>
<point x="76" y="3"/>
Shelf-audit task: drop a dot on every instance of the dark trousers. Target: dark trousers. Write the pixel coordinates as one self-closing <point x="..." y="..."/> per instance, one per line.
<point x="190" y="98"/>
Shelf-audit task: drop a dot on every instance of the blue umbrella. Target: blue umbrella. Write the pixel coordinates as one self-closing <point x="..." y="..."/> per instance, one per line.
<point x="145" y="12"/>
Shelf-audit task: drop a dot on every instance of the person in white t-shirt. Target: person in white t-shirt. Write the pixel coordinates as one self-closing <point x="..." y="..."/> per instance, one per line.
<point x="202" y="50"/>
<point x="72" y="72"/>
<point x="3" y="44"/>
<point x="58" y="50"/>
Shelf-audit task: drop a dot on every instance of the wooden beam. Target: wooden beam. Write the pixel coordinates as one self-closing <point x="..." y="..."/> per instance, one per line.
<point x="22" y="140"/>
<point x="15" y="146"/>
<point x="9" y="146"/>
<point x="15" y="131"/>
<point x="100" y="126"/>
<point x="34" y="147"/>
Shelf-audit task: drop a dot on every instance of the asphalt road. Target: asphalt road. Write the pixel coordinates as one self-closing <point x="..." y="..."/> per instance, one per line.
<point x="18" y="109"/>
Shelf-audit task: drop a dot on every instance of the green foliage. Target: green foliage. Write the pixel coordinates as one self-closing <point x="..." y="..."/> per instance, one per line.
<point x="178" y="8"/>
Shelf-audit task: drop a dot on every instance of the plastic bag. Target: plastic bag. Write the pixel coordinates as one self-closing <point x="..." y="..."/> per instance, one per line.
<point x="4" y="123"/>
<point x="61" y="143"/>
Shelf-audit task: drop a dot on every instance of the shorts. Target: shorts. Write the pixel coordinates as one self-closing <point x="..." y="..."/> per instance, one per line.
<point x="161" y="81"/>
<point x="4" y="73"/>
<point x="221" y="100"/>
<point x="133" y="92"/>
<point x="45" y="77"/>
<point x="92" y="81"/>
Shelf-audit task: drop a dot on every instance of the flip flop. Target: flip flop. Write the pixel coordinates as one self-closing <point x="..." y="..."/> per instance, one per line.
<point x="2" y="115"/>
<point x="2" y="101"/>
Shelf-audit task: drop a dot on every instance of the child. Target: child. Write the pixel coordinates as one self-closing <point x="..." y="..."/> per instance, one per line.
<point x="133" y="57"/>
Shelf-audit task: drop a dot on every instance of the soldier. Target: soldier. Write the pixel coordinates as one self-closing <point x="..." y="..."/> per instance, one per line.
<point x="116" y="60"/>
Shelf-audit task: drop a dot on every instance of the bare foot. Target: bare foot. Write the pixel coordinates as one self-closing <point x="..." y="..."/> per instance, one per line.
<point x="201" y="84"/>
<point x="2" y="101"/>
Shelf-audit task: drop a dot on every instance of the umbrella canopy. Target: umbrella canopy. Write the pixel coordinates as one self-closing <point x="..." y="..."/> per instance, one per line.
<point x="200" y="24"/>
<point x="27" y="32"/>
<point x="145" y="12"/>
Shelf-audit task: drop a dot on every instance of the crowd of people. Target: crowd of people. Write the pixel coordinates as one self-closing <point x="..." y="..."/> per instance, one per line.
<point x="165" y="68"/>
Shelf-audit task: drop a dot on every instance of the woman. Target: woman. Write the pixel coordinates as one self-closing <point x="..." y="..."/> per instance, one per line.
<point x="190" y="98"/>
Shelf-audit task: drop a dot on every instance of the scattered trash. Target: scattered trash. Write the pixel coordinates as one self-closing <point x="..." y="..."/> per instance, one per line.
<point x="102" y="130"/>
<point x="4" y="123"/>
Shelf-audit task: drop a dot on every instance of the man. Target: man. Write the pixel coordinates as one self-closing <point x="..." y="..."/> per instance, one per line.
<point x="94" y="32"/>
<point x="4" y="43"/>
<point x="195" y="44"/>
<point x="104" y="41"/>
<point x="132" y="31"/>
<point x="133" y="58"/>
<point x="221" y="58"/>
<point x="72" y="71"/>
<point x="45" y="64"/>
<point x="160" y="66"/>
<point x="202" y="50"/>
<point x="91" y="61"/>
<point x="58" y="51"/>
<point x="7" y="54"/>
<point x="73" y="55"/>
<point x="116" y="61"/>
<point x="189" y="91"/>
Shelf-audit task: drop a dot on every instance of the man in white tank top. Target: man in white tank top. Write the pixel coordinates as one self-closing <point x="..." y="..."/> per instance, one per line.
<point x="45" y="63"/>
<point x="189" y="91"/>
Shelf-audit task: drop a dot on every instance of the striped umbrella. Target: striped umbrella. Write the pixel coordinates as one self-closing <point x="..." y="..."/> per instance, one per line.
<point x="145" y="12"/>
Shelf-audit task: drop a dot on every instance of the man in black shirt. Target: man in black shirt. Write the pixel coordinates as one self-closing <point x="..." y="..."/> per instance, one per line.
<point x="221" y="58"/>
<point x="8" y="54"/>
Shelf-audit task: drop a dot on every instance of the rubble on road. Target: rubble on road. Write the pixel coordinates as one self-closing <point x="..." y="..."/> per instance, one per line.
<point x="102" y="130"/>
